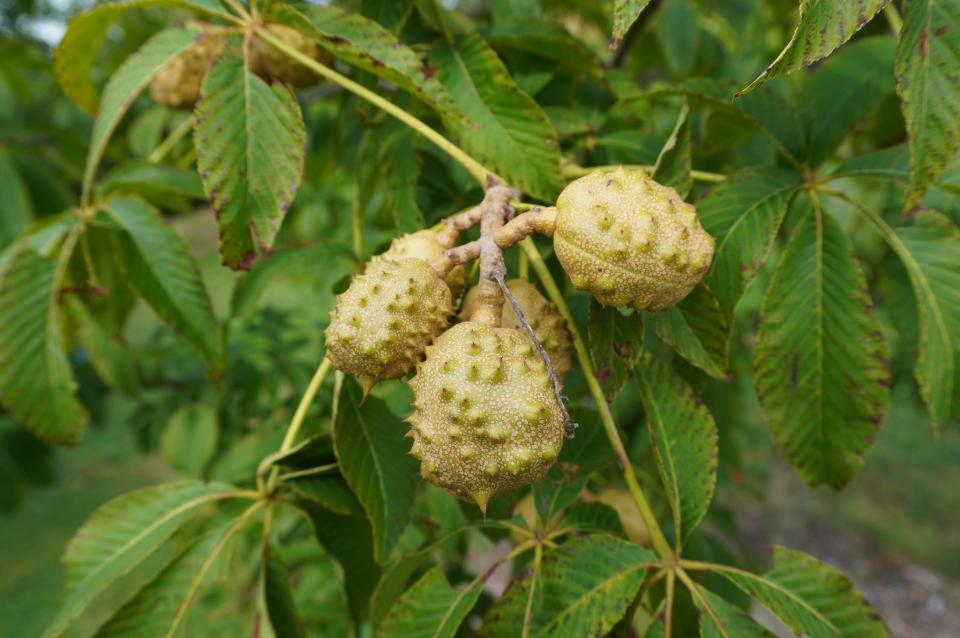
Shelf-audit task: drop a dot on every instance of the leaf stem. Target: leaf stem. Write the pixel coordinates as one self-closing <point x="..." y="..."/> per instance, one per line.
<point x="357" y="217"/>
<point x="893" y="18"/>
<point x="472" y="166"/>
<point x="528" y="612"/>
<point x="300" y="415"/>
<point x="657" y="538"/>
<point x="668" y="611"/>
<point x="177" y="134"/>
<point x="695" y="592"/>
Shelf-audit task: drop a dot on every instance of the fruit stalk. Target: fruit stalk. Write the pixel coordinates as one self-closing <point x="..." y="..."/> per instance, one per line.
<point x="494" y="209"/>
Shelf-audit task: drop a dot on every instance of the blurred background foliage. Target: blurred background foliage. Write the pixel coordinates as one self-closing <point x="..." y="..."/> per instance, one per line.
<point x="167" y="416"/>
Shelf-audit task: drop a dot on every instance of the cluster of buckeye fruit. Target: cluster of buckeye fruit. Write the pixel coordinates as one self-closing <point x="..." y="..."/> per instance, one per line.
<point x="486" y="415"/>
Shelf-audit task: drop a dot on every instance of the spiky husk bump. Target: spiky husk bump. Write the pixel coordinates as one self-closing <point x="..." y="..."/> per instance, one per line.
<point x="425" y="245"/>
<point x="177" y="84"/>
<point x="543" y="317"/>
<point x="382" y="324"/>
<point x="269" y="63"/>
<point x="628" y="240"/>
<point x="486" y="420"/>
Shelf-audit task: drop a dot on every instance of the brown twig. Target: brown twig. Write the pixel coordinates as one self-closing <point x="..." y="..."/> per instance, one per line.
<point x="453" y="226"/>
<point x="494" y="210"/>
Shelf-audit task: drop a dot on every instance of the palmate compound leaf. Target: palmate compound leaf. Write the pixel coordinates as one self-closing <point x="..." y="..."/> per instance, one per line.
<point x="74" y="57"/>
<point x="121" y="535"/>
<point x="515" y="138"/>
<point x="250" y="142"/>
<point x="743" y="214"/>
<point x="810" y="597"/>
<point x="928" y="82"/>
<point x="36" y="381"/>
<point x="584" y="589"/>
<point x="684" y="437"/>
<point x="616" y="342"/>
<point x="698" y="331"/>
<point x="363" y="43"/>
<point x="128" y="81"/>
<point x="374" y="459"/>
<point x="159" y="266"/>
<point x="821" y="366"/>
<point x="431" y="608"/>
<point x="824" y="26"/>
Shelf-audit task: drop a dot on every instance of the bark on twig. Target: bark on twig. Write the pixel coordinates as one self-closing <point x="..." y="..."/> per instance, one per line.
<point x="495" y="208"/>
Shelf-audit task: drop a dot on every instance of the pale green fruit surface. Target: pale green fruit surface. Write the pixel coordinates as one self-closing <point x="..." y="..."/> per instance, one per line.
<point x="543" y="317"/>
<point x="628" y="240"/>
<point x="486" y="420"/>
<point x="384" y="321"/>
<point x="424" y="245"/>
<point x="177" y="84"/>
<point x="269" y="63"/>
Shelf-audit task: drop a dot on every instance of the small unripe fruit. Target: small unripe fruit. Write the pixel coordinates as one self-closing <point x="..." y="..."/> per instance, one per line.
<point x="425" y="245"/>
<point x="546" y="321"/>
<point x="628" y="240"/>
<point x="269" y="63"/>
<point x="486" y="419"/>
<point x="177" y="84"/>
<point x="384" y="321"/>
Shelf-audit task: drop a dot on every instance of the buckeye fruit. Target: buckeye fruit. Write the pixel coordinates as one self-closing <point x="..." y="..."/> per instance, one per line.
<point x="629" y="240"/>
<point x="269" y="63"/>
<point x="547" y="323"/>
<point x="486" y="420"/>
<point x="425" y="245"/>
<point x="177" y="84"/>
<point x="381" y="325"/>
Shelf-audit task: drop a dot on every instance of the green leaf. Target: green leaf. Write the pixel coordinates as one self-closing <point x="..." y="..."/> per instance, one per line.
<point x="843" y="91"/>
<point x="726" y="621"/>
<point x="250" y="143"/>
<point x="365" y="44"/>
<point x="430" y="609"/>
<point x="679" y="35"/>
<point x="824" y="26"/>
<point x="593" y="517"/>
<point x="743" y="214"/>
<point x="128" y="82"/>
<point x="328" y="491"/>
<point x="154" y="180"/>
<point x="161" y="268"/>
<point x="36" y="381"/>
<point x="698" y="330"/>
<point x="110" y="357"/>
<point x="821" y="366"/>
<point x="889" y="163"/>
<point x="122" y="534"/>
<point x="584" y="589"/>
<point x="616" y="342"/>
<point x="684" y="437"/>
<point x="929" y="250"/>
<point x="374" y="458"/>
<point x="812" y="598"/>
<point x="928" y="83"/>
<point x="515" y="137"/>
<point x="159" y="608"/>
<point x="625" y="13"/>
<point x="402" y="166"/>
<point x="74" y="57"/>
<point x="545" y="40"/>
<point x="674" y="163"/>
<point x="14" y="200"/>
<point x="189" y="439"/>
<point x="281" y="618"/>
<point x="349" y="540"/>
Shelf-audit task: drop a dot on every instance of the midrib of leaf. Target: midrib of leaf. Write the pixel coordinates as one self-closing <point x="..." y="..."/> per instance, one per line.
<point x="695" y="592"/>
<point x="63" y="260"/>
<point x="819" y="316"/>
<point x="617" y="577"/>
<point x="917" y="279"/>
<point x="456" y="602"/>
<point x="381" y="477"/>
<point x="780" y="589"/>
<point x="675" y="483"/>
<point x="73" y="613"/>
<point x="207" y="564"/>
